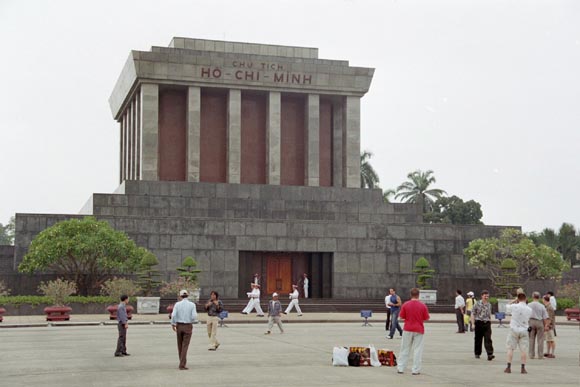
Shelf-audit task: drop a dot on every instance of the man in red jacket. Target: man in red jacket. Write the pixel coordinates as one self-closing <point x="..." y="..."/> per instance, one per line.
<point x="414" y="312"/>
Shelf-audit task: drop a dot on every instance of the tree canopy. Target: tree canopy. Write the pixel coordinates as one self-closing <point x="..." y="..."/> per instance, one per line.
<point x="454" y="210"/>
<point x="531" y="261"/>
<point x="7" y="233"/>
<point x="368" y="176"/>
<point x="566" y="241"/>
<point x="418" y="189"/>
<point x="86" y="251"/>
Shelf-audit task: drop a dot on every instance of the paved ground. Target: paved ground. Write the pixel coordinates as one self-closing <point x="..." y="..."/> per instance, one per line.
<point x="83" y="356"/>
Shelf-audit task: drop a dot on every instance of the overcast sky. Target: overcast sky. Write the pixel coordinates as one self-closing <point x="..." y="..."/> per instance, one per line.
<point x="485" y="93"/>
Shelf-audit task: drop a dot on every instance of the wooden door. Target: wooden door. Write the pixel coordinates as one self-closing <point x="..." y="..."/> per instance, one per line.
<point x="279" y="271"/>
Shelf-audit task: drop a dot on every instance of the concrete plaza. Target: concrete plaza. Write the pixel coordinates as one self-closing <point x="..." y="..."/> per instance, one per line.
<point x="83" y="356"/>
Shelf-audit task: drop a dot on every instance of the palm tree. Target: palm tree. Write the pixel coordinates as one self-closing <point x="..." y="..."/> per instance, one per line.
<point x="387" y="194"/>
<point x="368" y="175"/>
<point x="416" y="190"/>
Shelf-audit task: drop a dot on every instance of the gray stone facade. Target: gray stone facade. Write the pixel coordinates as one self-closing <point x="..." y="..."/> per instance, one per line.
<point x="373" y="245"/>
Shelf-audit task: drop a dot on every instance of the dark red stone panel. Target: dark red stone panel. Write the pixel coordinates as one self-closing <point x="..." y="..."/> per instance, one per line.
<point x="172" y="134"/>
<point x="213" y="136"/>
<point x="292" y="128"/>
<point x="325" y="132"/>
<point x="253" y="157"/>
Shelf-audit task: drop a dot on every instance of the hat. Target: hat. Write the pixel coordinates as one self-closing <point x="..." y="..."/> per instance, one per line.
<point x="470" y="294"/>
<point x="274" y="294"/>
<point x="183" y="292"/>
<point x="294" y="286"/>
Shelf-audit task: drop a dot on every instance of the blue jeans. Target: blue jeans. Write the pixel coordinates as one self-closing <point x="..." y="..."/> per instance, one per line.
<point x="395" y="323"/>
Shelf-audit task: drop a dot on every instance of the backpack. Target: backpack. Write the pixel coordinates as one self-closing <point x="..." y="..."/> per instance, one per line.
<point x="354" y="359"/>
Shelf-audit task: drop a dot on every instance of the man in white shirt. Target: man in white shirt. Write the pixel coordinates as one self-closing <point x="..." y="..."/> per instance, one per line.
<point x="459" y="311"/>
<point x="518" y="333"/>
<point x="182" y="317"/>
<point x="293" y="301"/>
<point x="254" y="301"/>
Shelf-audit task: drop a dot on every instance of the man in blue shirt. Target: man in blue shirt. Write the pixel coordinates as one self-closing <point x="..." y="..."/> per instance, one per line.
<point x="395" y="304"/>
<point x="182" y="318"/>
<point x="122" y="325"/>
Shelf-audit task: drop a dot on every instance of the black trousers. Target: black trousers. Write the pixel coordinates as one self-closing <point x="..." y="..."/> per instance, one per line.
<point x="388" y="324"/>
<point x="460" y="323"/>
<point x="483" y="333"/>
<point x="122" y="340"/>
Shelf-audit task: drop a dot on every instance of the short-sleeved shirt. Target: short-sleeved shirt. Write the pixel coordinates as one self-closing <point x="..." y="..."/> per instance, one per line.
<point x="538" y="311"/>
<point x="551" y="315"/>
<point x="414" y="312"/>
<point x="459" y="302"/>
<point x="521" y="313"/>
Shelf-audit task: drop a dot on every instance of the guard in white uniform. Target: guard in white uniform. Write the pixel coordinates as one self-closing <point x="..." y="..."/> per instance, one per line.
<point x="293" y="301"/>
<point x="254" y="301"/>
<point x="305" y="285"/>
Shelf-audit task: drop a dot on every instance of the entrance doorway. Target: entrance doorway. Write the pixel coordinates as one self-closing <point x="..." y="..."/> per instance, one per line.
<point x="279" y="274"/>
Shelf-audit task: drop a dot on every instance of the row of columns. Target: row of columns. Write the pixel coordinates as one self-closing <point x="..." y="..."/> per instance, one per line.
<point x="140" y="138"/>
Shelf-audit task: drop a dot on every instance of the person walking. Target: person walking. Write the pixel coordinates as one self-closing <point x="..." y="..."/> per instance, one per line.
<point x="293" y="301"/>
<point x="481" y="319"/>
<point x="122" y="326"/>
<point x="549" y="335"/>
<point x="274" y="310"/>
<point x="254" y="302"/>
<point x="518" y="333"/>
<point x="459" y="311"/>
<point x="213" y="307"/>
<point x="539" y="323"/>
<point x="388" y="324"/>
<point x="469" y="302"/>
<point x="182" y="318"/>
<point x="395" y="304"/>
<point x="415" y="313"/>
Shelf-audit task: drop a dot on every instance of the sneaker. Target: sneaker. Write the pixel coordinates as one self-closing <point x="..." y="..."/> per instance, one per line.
<point x="490" y="357"/>
<point x="212" y="349"/>
<point x="391" y="337"/>
<point x="508" y="370"/>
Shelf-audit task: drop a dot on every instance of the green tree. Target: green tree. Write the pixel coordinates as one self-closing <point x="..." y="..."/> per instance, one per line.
<point x="388" y="194"/>
<point x="368" y="176"/>
<point x="7" y="233"/>
<point x="532" y="262"/>
<point x="86" y="251"/>
<point x="568" y="242"/>
<point x="454" y="210"/>
<point x="417" y="189"/>
<point x="147" y="275"/>
<point x="424" y="273"/>
<point x="547" y="237"/>
<point x="188" y="270"/>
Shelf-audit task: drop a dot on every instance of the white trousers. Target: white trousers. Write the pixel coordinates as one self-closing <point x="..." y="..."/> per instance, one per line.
<point x="253" y="303"/>
<point x="411" y="341"/>
<point x="293" y="304"/>
<point x="305" y="291"/>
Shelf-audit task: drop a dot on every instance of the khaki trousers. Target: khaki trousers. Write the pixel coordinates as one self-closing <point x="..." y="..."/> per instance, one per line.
<point x="536" y="333"/>
<point x="212" y="324"/>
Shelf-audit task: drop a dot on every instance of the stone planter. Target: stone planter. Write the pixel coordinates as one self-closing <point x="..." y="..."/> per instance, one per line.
<point x="57" y="313"/>
<point x="572" y="314"/>
<point x="112" y="309"/>
<point x="428" y="296"/>
<point x="2" y="311"/>
<point x="501" y="305"/>
<point x="148" y="305"/>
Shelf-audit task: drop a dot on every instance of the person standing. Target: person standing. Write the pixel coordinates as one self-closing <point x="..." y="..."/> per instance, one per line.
<point x="415" y="313"/>
<point x="274" y="310"/>
<point x="551" y="343"/>
<point x="293" y="301"/>
<point x="388" y="324"/>
<point x="305" y="285"/>
<point x="182" y="318"/>
<point x="254" y="301"/>
<point x="539" y="323"/>
<point x="481" y="319"/>
<point x="122" y="326"/>
<point x="395" y="304"/>
<point x="213" y="307"/>
<point x="554" y="304"/>
<point x="469" y="302"/>
<point x="518" y="333"/>
<point x="459" y="311"/>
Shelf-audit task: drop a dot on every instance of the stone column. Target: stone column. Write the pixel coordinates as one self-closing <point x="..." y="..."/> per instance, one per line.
<point x="193" y="132"/>
<point x="137" y="138"/>
<point x="351" y="136"/>
<point x="121" y="153"/>
<point x="312" y="146"/>
<point x="150" y="131"/>
<point x="234" y="135"/>
<point x="130" y="141"/>
<point x="337" y="128"/>
<point x="273" y="138"/>
<point x="125" y="147"/>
